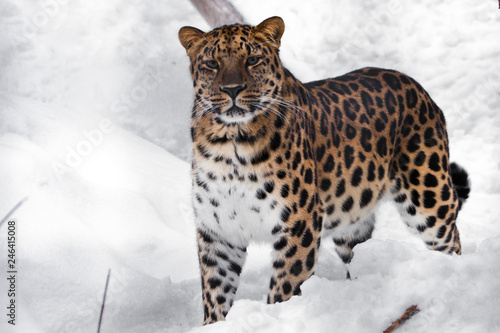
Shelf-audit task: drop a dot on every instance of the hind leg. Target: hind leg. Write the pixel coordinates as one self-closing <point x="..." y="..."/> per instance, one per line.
<point x="345" y="244"/>
<point x="428" y="203"/>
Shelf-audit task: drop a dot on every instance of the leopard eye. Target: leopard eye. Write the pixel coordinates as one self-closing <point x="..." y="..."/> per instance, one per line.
<point x="212" y="64"/>
<point x="252" y="60"/>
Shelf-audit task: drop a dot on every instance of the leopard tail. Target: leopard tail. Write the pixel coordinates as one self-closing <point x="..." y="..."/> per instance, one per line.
<point x="461" y="182"/>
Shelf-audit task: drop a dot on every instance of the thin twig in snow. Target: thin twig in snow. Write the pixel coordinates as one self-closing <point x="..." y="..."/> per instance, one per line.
<point x="16" y="207"/>
<point x="407" y="315"/>
<point x="103" y="301"/>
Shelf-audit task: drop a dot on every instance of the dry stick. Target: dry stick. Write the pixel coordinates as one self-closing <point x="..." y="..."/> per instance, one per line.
<point x="407" y="315"/>
<point x="12" y="211"/>
<point x="103" y="301"/>
<point x="218" y="12"/>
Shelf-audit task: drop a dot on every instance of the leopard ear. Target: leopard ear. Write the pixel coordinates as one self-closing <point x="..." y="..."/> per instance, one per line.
<point x="271" y="30"/>
<point x="190" y="37"/>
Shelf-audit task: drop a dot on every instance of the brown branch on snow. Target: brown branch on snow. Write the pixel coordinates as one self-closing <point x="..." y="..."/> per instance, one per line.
<point x="407" y="315"/>
<point x="218" y="12"/>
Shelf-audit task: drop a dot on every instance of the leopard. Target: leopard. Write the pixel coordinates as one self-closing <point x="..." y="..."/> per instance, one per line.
<point x="279" y="161"/>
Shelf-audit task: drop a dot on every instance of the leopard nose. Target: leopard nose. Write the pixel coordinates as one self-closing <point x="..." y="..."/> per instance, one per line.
<point x="233" y="91"/>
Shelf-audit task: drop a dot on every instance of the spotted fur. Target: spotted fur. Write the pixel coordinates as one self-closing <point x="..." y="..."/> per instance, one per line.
<point x="278" y="160"/>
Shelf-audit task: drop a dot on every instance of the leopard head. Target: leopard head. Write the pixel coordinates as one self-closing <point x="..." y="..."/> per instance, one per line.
<point x="236" y="71"/>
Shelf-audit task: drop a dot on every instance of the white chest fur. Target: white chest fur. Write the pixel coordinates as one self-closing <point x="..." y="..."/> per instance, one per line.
<point x="235" y="203"/>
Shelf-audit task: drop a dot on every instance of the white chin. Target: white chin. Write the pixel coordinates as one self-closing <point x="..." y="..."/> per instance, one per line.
<point x="236" y="119"/>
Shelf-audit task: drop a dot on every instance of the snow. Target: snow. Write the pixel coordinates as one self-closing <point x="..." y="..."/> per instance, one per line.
<point x="94" y="107"/>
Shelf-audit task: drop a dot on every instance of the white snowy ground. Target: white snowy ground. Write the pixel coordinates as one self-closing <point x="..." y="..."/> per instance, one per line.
<point x="93" y="93"/>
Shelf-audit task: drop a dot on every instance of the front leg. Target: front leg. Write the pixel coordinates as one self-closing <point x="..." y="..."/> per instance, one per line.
<point x="220" y="265"/>
<point x="295" y="254"/>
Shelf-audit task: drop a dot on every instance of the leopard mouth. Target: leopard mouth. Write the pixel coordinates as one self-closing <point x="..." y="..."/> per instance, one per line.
<point x="235" y="114"/>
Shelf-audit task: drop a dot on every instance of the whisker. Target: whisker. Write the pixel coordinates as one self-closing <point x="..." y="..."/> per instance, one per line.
<point x="289" y="103"/>
<point x="282" y="102"/>
<point x="199" y="110"/>
<point x="272" y="109"/>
